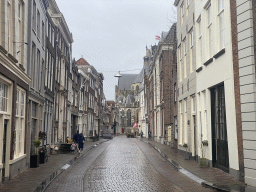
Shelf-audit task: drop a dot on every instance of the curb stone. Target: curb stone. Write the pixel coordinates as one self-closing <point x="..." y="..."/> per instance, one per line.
<point x="187" y="173"/>
<point x="43" y="186"/>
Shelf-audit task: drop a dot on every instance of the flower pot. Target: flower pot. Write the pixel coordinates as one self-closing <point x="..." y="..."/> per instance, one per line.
<point x="203" y="162"/>
<point x="186" y="156"/>
<point x="42" y="158"/>
<point x="34" y="161"/>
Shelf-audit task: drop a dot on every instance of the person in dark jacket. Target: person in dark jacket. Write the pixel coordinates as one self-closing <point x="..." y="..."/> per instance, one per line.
<point x="80" y="142"/>
<point x="76" y="137"/>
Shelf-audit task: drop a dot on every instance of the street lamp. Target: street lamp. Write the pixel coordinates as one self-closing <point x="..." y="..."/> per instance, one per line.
<point x="118" y="75"/>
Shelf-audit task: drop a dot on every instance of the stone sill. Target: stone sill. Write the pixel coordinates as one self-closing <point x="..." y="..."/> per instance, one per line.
<point x="17" y="159"/>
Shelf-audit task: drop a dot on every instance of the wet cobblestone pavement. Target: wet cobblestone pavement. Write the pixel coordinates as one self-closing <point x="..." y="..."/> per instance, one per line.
<point x="123" y="164"/>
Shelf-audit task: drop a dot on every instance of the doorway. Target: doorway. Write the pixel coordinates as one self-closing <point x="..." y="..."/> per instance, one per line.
<point x="195" y="138"/>
<point x="4" y="149"/>
<point x="33" y="134"/>
<point x="219" y="129"/>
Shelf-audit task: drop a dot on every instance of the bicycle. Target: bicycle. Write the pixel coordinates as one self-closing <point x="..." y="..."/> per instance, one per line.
<point x="46" y="154"/>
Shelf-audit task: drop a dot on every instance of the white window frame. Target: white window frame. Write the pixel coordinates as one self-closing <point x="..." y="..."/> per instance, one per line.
<point x="200" y="43"/>
<point x="175" y="92"/>
<point x="184" y="57"/>
<point x="185" y="105"/>
<point x="46" y="27"/>
<point x="193" y="107"/>
<point x="182" y="13"/>
<point x="19" y="142"/>
<point x="17" y="102"/>
<point x="51" y="84"/>
<point x="43" y="33"/>
<point x="221" y="17"/>
<point x="191" y="43"/>
<point x="210" y="29"/>
<point x="185" y="46"/>
<point x="34" y="16"/>
<point x="3" y="97"/>
<point x="181" y="124"/>
<point x="175" y="127"/>
<point x="191" y="33"/>
<point x="9" y="19"/>
<point x="38" y="25"/>
<point x="46" y="69"/>
<point x="19" y="26"/>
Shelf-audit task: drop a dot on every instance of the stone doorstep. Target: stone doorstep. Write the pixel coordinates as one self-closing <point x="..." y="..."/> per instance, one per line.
<point x="189" y="174"/>
<point x="53" y="175"/>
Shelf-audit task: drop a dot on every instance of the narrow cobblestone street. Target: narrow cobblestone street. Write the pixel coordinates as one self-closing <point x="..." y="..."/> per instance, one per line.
<point x="123" y="165"/>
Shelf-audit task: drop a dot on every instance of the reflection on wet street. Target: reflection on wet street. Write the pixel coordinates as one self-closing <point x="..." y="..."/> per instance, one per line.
<point x="123" y="164"/>
<point x="123" y="167"/>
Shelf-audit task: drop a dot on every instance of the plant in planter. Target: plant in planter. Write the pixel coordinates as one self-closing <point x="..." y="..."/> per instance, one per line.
<point x="187" y="153"/>
<point x="130" y="134"/>
<point x="34" y="158"/>
<point x="37" y="144"/>
<point x="42" y="135"/>
<point x="203" y="162"/>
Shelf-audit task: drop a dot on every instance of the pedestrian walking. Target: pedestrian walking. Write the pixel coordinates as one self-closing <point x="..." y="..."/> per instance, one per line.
<point x="141" y="134"/>
<point x="80" y="142"/>
<point x="76" y="137"/>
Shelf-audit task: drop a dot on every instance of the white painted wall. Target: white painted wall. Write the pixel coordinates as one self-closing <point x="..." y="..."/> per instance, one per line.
<point x="220" y="70"/>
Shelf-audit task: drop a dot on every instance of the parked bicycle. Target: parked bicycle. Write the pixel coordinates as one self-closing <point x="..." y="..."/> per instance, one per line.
<point x="46" y="153"/>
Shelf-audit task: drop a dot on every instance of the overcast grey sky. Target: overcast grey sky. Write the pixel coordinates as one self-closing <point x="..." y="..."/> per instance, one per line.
<point x="112" y="35"/>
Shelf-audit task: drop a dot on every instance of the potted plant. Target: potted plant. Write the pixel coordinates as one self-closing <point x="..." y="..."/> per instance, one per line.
<point x="42" y="135"/>
<point x="34" y="159"/>
<point x="203" y="162"/>
<point x="129" y="134"/>
<point x="187" y="153"/>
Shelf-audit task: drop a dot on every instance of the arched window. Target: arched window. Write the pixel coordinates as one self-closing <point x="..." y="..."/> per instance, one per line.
<point x="128" y="114"/>
<point x="137" y="88"/>
<point x="122" y="118"/>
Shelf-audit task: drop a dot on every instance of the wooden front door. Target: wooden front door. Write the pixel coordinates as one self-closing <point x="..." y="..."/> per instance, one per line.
<point x="4" y="150"/>
<point x="195" y="138"/>
<point x="219" y="129"/>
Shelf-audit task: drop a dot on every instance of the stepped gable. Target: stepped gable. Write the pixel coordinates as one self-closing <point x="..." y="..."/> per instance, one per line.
<point x="171" y="35"/>
<point x="82" y="61"/>
<point x="126" y="81"/>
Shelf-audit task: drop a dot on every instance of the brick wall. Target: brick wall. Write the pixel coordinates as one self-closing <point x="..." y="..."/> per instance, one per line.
<point x="166" y="82"/>
<point x="237" y="87"/>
